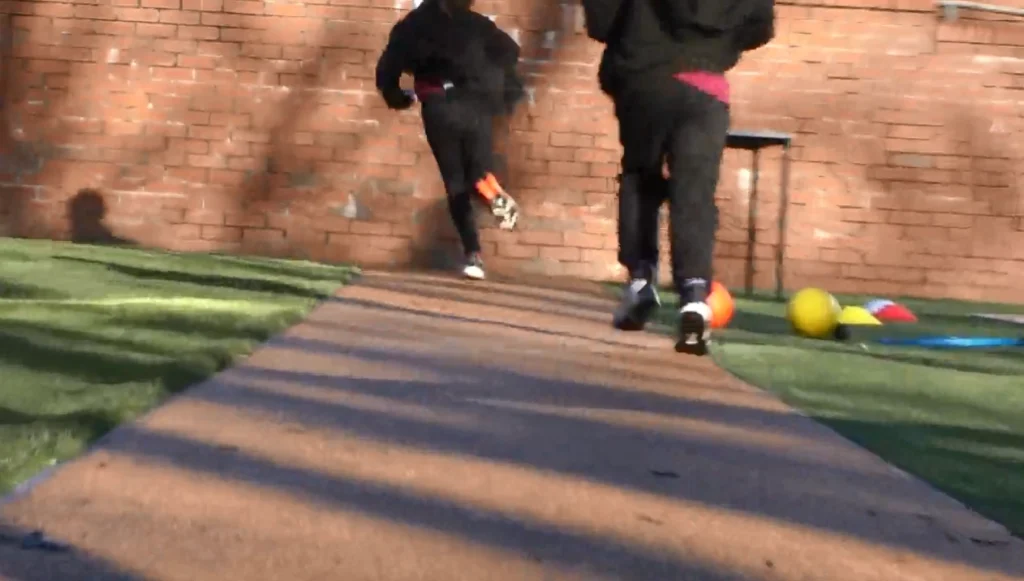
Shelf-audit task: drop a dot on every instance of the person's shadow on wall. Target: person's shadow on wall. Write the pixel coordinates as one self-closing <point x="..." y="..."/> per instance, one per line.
<point x="435" y="244"/>
<point x="86" y="213"/>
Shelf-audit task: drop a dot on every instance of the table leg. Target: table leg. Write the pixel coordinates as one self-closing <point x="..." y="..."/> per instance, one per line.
<point x="780" y="251"/>
<point x="752" y="223"/>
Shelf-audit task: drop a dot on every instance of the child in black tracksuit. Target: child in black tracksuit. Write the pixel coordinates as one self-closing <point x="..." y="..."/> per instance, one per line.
<point x="464" y="69"/>
<point x="663" y="66"/>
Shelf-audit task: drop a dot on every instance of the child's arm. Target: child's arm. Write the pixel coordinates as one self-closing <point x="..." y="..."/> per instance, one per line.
<point x="392" y="63"/>
<point x="759" y="27"/>
<point x="502" y="49"/>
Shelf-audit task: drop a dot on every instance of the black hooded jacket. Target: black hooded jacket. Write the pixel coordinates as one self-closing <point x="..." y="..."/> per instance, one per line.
<point x="664" y="37"/>
<point x="458" y="46"/>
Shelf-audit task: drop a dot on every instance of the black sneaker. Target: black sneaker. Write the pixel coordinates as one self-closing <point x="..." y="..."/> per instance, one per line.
<point x="639" y="301"/>
<point x="694" y="329"/>
<point x="506" y="210"/>
<point x="503" y="206"/>
<point x="474" y="268"/>
<point x="694" y="325"/>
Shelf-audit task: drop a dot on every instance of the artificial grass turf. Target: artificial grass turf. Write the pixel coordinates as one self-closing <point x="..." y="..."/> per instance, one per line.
<point x="954" y="418"/>
<point x="93" y="336"/>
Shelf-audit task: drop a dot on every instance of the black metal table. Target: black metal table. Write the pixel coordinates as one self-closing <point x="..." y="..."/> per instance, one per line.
<point x="755" y="141"/>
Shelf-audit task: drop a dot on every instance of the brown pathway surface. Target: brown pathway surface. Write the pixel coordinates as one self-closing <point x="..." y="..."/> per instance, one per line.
<point x="422" y="428"/>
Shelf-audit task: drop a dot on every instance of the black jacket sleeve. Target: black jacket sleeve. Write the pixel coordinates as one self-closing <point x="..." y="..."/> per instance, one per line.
<point x="392" y="63"/>
<point x="758" y="29"/>
<point x="600" y="16"/>
<point x="502" y="49"/>
<point x="503" y="52"/>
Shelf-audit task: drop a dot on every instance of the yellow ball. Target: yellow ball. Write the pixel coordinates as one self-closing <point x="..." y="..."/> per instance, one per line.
<point x="813" y="313"/>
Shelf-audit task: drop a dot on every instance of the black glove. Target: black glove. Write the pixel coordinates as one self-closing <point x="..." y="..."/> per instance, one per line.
<point x="398" y="99"/>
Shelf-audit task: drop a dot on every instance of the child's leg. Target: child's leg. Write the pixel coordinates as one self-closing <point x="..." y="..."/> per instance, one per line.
<point x="445" y="136"/>
<point x="478" y="154"/>
<point x="642" y="190"/>
<point x="640" y="198"/>
<point x="695" y="157"/>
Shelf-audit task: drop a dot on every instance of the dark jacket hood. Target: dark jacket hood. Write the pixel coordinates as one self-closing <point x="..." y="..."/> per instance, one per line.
<point x="710" y="15"/>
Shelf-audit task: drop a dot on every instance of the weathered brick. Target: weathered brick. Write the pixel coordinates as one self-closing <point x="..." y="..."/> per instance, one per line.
<point x="262" y="235"/>
<point x="204" y="217"/>
<point x="584" y="240"/>
<point x="559" y="253"/>
<point x="371" y="228"/>
<point x="542" y="238"/>
<point x="250" y="220"/>
<point x="225" y="233"/>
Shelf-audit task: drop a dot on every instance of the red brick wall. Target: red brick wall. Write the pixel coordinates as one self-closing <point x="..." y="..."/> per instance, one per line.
<point x="253" y="126"/>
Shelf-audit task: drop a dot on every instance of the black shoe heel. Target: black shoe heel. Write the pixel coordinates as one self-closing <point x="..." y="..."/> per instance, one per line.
<point x="692" y="339"/>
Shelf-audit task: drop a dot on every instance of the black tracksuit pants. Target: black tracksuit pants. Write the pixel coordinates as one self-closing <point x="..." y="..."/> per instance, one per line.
<point x="668" y="120"/>
<point x="460" y="137"/>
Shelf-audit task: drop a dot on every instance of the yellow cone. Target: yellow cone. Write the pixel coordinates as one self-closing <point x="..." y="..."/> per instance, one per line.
<point x="857" y="316"/>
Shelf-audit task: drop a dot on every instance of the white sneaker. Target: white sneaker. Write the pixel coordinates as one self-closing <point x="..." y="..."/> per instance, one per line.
<point x="694" y="331"/>
<point x="474" y="268"/>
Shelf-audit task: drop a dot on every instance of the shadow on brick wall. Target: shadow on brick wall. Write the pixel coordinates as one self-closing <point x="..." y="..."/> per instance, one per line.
<point x="30" y="136"/>
<point x="12" y="200"/>
<point x="281" y="170"/>
<point x="950" y="204"/>
<point x="550" y="30"/>
<point x="434" y="246"/>
<point x="86" y="212"/>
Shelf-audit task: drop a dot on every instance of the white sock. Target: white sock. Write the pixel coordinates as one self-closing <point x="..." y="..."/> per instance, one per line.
<point x="697" y="307"/>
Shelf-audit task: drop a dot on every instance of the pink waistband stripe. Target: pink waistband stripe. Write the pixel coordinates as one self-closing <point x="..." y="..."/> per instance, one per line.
<point x="713" y="84"/>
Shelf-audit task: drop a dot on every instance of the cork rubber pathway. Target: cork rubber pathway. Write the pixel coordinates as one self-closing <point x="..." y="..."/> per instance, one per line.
<point x="422" y="428"/>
